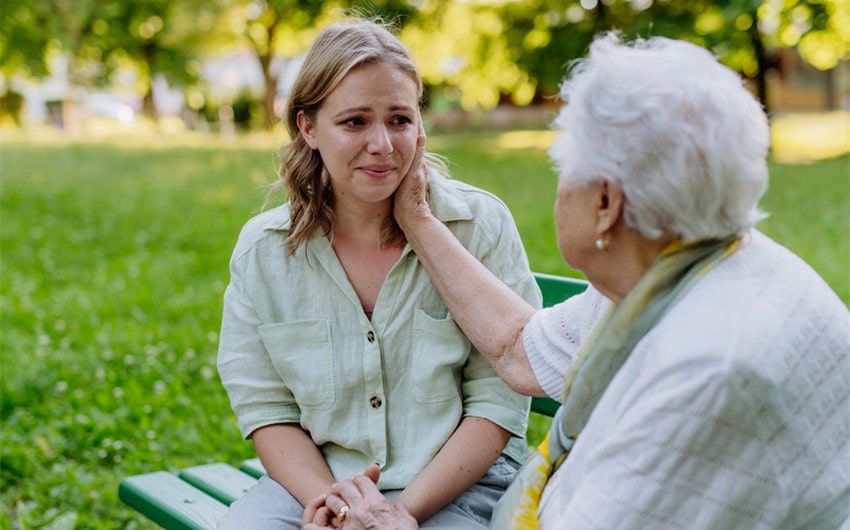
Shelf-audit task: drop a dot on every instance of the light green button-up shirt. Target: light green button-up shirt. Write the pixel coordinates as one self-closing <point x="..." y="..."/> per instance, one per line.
<point x="297" y="347"/>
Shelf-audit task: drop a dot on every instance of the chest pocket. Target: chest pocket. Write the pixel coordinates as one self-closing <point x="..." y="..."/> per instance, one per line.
<point x="440" y="350"/>
<point x="302" y="354"/>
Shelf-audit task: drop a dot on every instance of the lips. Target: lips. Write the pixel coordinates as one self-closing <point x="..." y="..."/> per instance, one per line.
<point x="377" y="171"/>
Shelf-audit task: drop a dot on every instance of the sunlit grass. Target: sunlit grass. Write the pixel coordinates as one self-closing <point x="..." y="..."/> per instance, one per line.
<point x="521" y="140"/>
<point x="800" y="138"/>
<point x="795" y="138"/>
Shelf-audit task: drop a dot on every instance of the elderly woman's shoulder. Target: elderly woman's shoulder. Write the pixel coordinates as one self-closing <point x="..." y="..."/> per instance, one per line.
<point x="756" y="311"/>
<point x="765" y="272"/>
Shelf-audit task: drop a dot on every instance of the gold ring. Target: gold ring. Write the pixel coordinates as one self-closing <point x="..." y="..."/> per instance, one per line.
<point x="342" y="513"/>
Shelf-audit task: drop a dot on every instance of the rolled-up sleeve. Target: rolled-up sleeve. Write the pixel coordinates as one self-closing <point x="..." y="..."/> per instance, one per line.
<point x="257" y="394"/>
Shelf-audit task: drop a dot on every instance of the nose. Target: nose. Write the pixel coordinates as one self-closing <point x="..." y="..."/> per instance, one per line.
<point x="379" y="141"/>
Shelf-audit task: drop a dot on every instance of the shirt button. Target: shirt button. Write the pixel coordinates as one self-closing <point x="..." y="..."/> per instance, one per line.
<point x="370" y="336"/>
<point x="375" y="402"/>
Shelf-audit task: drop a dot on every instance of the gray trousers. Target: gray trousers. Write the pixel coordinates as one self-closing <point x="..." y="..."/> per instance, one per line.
<point x="268" y="506"/>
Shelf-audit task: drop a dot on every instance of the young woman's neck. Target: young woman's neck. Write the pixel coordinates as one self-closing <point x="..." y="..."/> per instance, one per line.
<point x="360" y="223"/>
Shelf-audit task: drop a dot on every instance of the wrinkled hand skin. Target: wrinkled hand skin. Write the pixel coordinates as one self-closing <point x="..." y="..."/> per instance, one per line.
<point x="411" y="197"/>
<point x="379" y="516"/>
<point x="368" y="508"/>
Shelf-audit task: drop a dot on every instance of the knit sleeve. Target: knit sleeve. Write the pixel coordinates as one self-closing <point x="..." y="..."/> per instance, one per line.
<point x="553" y="335"/>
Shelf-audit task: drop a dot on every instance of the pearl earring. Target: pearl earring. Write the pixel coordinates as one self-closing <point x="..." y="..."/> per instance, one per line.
<point x="602" y="243"/>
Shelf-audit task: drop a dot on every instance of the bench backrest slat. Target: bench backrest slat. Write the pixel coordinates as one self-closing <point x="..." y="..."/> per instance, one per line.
<point x="555" y="289"/>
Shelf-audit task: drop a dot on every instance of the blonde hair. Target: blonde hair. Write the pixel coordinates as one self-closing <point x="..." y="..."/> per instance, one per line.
<point x="338" y="49"/>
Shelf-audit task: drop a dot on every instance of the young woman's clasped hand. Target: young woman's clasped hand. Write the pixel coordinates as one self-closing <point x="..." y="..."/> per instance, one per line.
<point x="357" y="504"/>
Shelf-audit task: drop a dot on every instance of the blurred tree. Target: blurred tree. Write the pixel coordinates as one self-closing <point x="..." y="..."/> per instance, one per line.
<point x="548" y="34"/>
<point x="748" y="35"/>
<point x="521" y="48"/>
<point x="99" y="37"/>
<point x="35" y="31"/>
<point x="154" y="37"/>
<point x="267" y="25"/>
<point x="477" y="51"/>
<point x="11" y="106"/>
<point x="745" y="34"/>
<point x="463" y="46"/>
<point x="31" y="28"/>
<point x="285" y="28"/>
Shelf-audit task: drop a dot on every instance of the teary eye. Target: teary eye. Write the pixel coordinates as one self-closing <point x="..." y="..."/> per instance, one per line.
<point x="354" y="122"/>
<point x="401" y="120"/>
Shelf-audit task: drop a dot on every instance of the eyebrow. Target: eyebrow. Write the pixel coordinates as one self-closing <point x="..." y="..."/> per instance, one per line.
<point x="394" y="108"/>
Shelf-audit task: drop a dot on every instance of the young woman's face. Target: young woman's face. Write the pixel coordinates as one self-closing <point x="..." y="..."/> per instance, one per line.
<point x="366" y="132"/>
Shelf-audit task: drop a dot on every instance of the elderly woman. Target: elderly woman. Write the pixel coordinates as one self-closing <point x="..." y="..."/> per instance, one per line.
<point x="712" y="391"/>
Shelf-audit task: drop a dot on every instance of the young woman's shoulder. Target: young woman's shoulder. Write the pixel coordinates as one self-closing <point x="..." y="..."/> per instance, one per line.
<point x="454" y="199"/>
<point x="273" y="222"/>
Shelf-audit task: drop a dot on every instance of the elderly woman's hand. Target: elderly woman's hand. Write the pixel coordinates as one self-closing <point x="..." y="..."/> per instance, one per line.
<point x="358" y="505"/>
<point x="411" y="197"/>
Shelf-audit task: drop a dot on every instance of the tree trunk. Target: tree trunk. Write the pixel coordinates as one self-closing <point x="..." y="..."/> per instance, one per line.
<point x="70" y="108"/>
<point x="148" y="106"/>
<point x="269" y="77"/>
<point x="762" y="62"/>
<point x="270" y="80"/>
<point x="830" y="96"/>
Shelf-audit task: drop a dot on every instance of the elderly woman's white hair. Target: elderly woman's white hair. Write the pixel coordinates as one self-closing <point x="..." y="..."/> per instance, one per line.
<point x="674" y="128"/>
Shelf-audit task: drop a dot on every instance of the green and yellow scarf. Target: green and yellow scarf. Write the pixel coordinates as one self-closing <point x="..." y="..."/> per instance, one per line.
<point x="597" y="361"/>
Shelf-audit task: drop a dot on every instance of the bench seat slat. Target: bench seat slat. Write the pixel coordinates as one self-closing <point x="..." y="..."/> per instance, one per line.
<point x="221" y="481"/>
<point x="253" y="467"/>
<point x="171" y="502"/>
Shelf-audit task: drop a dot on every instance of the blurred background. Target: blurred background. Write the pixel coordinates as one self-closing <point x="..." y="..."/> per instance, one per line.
<point x="138" y="136"/>
<point x="90" y="66"/>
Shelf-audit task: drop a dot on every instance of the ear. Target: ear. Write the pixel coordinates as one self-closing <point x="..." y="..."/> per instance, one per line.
<point x="609" y="206"/>
<point x="306" y="128"/>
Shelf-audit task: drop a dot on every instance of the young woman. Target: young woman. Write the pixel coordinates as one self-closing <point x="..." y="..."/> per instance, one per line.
<point x="336" y="349"/>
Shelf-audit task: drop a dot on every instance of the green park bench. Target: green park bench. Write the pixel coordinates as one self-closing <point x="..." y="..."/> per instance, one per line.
<point x="197" y="497"/>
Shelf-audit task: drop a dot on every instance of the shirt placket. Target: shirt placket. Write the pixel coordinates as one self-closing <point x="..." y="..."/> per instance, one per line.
<point x="375" y="395"/>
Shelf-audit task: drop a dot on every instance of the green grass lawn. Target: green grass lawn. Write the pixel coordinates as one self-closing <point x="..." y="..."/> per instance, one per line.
<point x="114" y="261"/>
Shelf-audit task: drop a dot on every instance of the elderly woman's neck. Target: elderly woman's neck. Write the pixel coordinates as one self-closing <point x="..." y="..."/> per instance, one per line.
<point x="619" y="267"/>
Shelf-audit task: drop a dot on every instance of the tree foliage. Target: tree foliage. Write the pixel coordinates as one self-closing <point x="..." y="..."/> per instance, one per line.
<point x="99" y="37"/>
<point x="475" y="53"/>
<point x="460" y="47"/>
<point x="534" y="41"/>
<point x="285" y="28"/>
<point x="32" y="29"/>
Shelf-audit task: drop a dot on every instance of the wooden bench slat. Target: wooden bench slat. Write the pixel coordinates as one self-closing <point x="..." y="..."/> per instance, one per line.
<point x="544" y="405"/>
<point x="171" y="502"/>
<point x="221" y="481"/>
<point x="556" y="289"/>
<point x="253" y="467"/>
